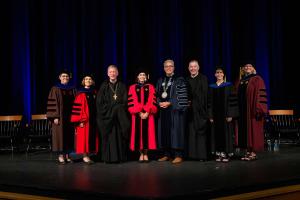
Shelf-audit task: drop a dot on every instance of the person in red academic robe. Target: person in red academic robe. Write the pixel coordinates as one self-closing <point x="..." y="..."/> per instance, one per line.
<point x="142" y="107"/>
<point x="252" y="100"/>
<point x="84" y="117"/>
<point x="59" y="108"/>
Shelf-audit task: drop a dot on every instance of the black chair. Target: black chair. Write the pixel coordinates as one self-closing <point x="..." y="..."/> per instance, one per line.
<point x="10" y="129"/>
<point x="284" y="126"/>
<point x="39" y="133"/>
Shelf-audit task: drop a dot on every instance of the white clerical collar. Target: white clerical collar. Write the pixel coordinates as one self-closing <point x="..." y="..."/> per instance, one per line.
<point x="193" y="76"/>
<point x="113" y="81"/>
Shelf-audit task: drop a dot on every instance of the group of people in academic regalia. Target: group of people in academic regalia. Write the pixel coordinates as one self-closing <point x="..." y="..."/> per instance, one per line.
<point x="183" y="118"/>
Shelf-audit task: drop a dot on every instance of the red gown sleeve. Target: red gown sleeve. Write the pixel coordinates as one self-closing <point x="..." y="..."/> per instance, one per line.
<point x="151" y="107"/>
<point x="79" y="109"/>
<point x="133" y="105"/>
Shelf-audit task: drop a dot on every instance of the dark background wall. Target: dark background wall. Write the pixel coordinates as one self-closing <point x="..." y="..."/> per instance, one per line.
<point x="40" y="37"/>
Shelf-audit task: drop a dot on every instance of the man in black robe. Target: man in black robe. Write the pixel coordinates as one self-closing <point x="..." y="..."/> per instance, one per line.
<point x="197" y="116"/>
<point x="112" y="118"/>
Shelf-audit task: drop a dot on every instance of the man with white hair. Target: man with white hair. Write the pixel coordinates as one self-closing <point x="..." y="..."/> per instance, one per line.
<point x="172" y="99"/>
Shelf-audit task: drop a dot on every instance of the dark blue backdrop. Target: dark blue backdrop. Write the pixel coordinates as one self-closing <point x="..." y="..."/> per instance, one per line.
<point x="39" y="38"/>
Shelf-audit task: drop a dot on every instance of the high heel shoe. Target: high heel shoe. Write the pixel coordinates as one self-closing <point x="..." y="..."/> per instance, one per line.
<point x="146" y="159"/>
<point x="141" y="159"/>
<point x="61" y="161"/>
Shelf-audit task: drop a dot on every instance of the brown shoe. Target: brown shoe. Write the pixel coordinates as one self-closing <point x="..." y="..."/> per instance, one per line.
<point x="177" y="160"/>
<point x="165" y="158"/>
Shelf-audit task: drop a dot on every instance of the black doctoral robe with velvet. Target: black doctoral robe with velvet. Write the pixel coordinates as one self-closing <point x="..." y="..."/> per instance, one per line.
<point x="222" y="104"/>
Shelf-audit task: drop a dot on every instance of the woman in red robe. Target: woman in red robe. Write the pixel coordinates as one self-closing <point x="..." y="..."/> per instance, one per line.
<point x="142" y="107"/>
<point x="253" y="107"/>
<point x="84" y="117"/>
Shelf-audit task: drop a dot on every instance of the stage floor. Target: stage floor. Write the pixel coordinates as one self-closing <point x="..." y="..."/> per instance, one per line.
<point x="38" y="173"/>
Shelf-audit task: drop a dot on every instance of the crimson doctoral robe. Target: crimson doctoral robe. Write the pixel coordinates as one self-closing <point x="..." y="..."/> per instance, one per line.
<point x="84" y="111"/>
<point x="141" y="98"/>
<point x="253" y="107"/>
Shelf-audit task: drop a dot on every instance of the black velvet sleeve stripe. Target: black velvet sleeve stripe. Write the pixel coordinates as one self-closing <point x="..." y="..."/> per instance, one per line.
<point x="73" y="113"/>
<point x="264" y="102"/>
<point x="181" y="92"/>
<point x="182" y="98"/>
<point x="51" y="104"/>
<point x="183" y="104"/>
<point x="181" y="87"/>
<point x="130" y="100"/>
<point x="76" y="109"/>
<point x="263" y="96"/>
<point x="77" y="104"/>
<point x="51" y="99"/>
<point x="51" y="110"/>
<point x="130" y="95"/>
<point x="262" y="89"/>
<point x="131" y="105"/>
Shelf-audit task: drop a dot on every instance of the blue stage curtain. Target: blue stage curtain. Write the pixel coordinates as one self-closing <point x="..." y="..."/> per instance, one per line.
<point x="39" y="38"/>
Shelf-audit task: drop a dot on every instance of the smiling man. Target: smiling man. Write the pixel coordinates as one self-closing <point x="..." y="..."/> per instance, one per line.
<point x="172" y="99"/>
<point x="197" y="117"/>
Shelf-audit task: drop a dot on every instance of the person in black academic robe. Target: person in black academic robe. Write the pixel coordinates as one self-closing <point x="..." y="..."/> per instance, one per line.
<point x="59" y="109"/>
<point x="222" y="109"/>
<point x="172" y="99"/>
<point x="112" y="118"/>
<point x="197" y="113"/>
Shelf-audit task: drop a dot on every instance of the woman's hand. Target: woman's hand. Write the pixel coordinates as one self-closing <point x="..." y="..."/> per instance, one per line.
<point x="228" y="119"/>
<point x="56" y="121"/>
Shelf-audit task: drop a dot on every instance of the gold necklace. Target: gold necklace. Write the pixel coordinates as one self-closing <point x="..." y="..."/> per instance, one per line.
<point x="114" y="91"/>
